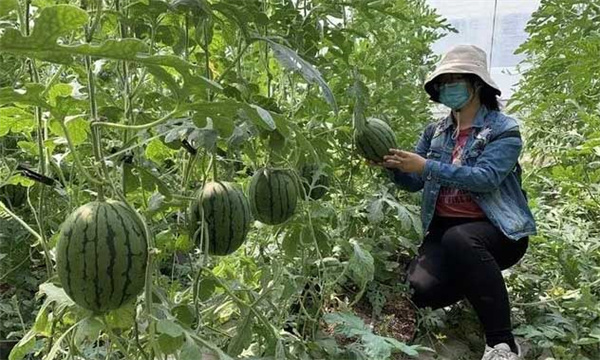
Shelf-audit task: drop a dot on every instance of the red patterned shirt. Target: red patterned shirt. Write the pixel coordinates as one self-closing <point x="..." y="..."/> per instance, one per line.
<point x="454" y="202"/>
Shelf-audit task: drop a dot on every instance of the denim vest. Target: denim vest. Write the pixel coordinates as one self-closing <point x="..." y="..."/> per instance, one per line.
<point x="489" y="171"/>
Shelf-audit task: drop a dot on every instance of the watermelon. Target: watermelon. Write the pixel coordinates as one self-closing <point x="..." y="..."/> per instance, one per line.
<point x="13" y="195"/>
<point x="273" y="195"/>
<point x="227" y="217"/>
<point x="101" y="255"/>
<point x="374" y="139"/>
<point x="320" y="185"/>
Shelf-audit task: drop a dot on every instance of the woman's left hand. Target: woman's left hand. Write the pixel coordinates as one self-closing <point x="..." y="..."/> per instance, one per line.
<point x="405" y="161"/>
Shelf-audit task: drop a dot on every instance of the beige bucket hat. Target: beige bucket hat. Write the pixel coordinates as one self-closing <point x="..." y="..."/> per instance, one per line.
<point x="461" y="59"/>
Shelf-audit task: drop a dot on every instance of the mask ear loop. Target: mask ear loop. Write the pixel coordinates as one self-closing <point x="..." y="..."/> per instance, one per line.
<point x="457" y="130"/>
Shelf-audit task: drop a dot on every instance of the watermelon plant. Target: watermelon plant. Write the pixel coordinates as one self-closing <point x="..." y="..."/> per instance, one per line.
<point x="142" y="102"/>
<point x="314" y="181"/>
<point x="558" y="102"/>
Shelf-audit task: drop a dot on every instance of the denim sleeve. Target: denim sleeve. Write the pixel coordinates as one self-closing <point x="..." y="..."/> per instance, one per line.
<point x="410" y="181"/>
<point x="497" y="160"/>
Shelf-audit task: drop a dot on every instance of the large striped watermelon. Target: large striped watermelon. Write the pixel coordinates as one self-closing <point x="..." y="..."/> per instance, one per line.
<point x="273" y="195"/>
<point x="374" y="139"/>
<point x="101" y="255"/>
<point x="227" y="217"/>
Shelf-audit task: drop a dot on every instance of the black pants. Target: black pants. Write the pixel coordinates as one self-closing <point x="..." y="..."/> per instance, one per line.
<point x="460" y="258"/>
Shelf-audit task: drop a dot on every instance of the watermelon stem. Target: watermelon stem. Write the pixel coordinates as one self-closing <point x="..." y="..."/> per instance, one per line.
<point x="76" y="158"/>
<point x="213" y="164"/>
<point x="41" y="140"/>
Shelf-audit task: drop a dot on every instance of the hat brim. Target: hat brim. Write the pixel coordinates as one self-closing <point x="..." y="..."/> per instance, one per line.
<point x="458" y="68"/>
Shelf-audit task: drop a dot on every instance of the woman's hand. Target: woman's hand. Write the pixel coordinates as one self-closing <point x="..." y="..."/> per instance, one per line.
<point x="404" y="161"/>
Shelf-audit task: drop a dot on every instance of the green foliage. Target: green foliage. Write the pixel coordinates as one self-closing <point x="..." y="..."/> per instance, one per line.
<point x="374" y="346"/>
<point x="558" y="100"/>
<point x="147" y="101"/>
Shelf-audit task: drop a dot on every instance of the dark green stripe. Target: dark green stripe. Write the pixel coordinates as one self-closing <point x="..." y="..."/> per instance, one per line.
<point x="227" y="220"/>
<point x="269" y="179"/>
<point x="97" y="277"/>
<point x="376" y="141"/>
<point x="245" y="215"/>
<point x="385" y="134"/>
<point x="208" y="218"/>
<point x="110" y="239"/>
<point x="84" y="258"/>
<point x="245" y="221"/>
<point x="282" y="195"/>
<point x="66" y="257"/>
<point x="129" y="256"/>
<point x="367" y="149"/>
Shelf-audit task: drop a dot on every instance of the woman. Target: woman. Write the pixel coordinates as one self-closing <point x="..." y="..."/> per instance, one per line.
<point x="475" y="214"/>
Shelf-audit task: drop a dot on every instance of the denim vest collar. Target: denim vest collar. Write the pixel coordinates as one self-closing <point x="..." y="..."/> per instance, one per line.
<point x="477" y="123"/>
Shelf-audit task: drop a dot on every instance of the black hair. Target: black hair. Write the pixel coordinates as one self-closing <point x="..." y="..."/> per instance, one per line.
<point x="488" y="96"/>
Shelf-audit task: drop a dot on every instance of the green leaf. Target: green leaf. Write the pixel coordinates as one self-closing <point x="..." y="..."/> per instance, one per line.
<point x="16" y="120"/>
<point x="266" y="120"/>
<point x="346" y="324"/>
<point x="6" y="6"/>
<point x="123" y="317"/>
<point x="169" y="327"/>
<point x="149" y="181"/>
<point x="243" y="334"/>
<point x="30" y="95"/>
<point x="169" y="344"/>
<point x="158" y="152"/>
<point x="53" y="22"/>
<point x="60" y="20"/>
<point x="77" y="127"/>
<point x="190" y="351"/>
<point x="56" y="295"/>
<point x="163" y="75"/>
<point x="23" y="347"/>
<point x="184" y="313"/>
<point x="375" y="211"/>
<point x="206" y="288"/>
<point x="31" y="148"/>
<point x="293" y="62"/>
<point x="88" y="329"/>
<point x="361" y="265"/>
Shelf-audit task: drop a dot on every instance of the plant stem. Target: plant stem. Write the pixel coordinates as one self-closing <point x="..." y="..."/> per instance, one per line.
<point x="41" y="137"/>
<point x="136" y="127"/>
<point x="96" y="144"/>
<point x="76" y="158"/>
<point x="235" y="62"/>
<point x="214" y="165"/>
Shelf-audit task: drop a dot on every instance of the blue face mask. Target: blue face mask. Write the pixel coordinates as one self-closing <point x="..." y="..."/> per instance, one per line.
<point x="455" y="95"/>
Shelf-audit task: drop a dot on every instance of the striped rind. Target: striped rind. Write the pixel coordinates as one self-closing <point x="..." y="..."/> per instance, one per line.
<point x="374" y="140"/>
<point x="226" y="214"/>
<point x="101" y="255"/>
<point x="273" y="195"/>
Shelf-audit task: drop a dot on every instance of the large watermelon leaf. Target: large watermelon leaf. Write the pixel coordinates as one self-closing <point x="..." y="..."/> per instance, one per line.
<point x="57" y="21"/>
<point x="293" y="62"/>
<point x="30" y="95"/>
